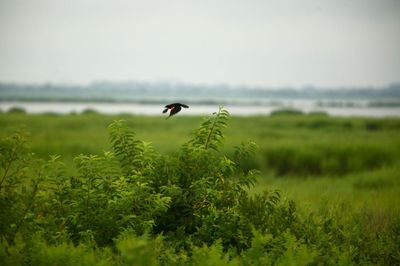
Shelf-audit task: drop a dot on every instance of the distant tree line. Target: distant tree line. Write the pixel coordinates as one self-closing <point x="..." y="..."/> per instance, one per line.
<point x="142" y="92"/>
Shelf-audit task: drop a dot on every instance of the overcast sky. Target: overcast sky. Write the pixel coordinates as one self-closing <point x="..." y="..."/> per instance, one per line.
<point x="238" y="42"/>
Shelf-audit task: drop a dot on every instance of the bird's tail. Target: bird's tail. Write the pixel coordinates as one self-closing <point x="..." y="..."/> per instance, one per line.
<point x="165" y="110"/>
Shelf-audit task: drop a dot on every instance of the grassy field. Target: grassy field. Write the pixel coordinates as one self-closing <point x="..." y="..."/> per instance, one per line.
<point x="331" y="167"/>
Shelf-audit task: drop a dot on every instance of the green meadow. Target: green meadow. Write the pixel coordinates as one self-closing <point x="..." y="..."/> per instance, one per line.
<point x="342" y="174"/>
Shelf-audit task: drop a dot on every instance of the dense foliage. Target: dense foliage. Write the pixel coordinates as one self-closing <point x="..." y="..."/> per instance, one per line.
<point x="134" y="206"/>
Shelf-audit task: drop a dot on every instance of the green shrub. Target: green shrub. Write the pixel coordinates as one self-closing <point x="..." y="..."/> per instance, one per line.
<point x="288" y="112"/>
<point x="196" y="193"/>
<point x="89" y="111"/>
<point x="16" y="110"/>
<point x="17" y="188"/>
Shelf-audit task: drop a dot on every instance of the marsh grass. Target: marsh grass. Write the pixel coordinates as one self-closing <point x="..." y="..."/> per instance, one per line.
<point x="289" y="145"/>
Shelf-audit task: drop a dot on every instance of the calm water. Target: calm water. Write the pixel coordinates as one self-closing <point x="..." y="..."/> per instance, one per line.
<point x="151" y="109"/>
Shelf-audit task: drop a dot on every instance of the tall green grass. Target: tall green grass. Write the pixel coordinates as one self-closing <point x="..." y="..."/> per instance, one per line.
<point x="296" y="145"/>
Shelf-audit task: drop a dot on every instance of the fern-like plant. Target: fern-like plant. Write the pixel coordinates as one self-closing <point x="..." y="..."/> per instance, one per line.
<point x="210" y="134"/>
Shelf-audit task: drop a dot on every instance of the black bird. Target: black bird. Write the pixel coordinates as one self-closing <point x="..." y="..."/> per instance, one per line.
<point x="175" y="108"/>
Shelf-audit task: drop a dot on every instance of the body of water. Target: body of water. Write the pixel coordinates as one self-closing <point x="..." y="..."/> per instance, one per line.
<point x="305" y="106"/>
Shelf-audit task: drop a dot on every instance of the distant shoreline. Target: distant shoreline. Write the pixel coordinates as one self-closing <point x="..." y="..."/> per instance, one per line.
<point x="296" y="106"/>
<point x="148" y="98"/>
<point x="141" y="92"/>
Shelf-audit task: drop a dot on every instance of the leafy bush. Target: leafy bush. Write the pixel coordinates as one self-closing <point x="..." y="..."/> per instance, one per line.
<point x="286" y="112"/>
<point x="17" y="189"/>
<point x="17" y="110"/>
<point x="130" y="189"/>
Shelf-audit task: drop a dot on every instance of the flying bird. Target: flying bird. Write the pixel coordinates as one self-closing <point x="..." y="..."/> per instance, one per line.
<point x="175" y="108"/>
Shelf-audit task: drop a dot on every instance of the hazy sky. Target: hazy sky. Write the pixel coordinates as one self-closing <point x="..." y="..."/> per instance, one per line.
<point x="252" y="42"/>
